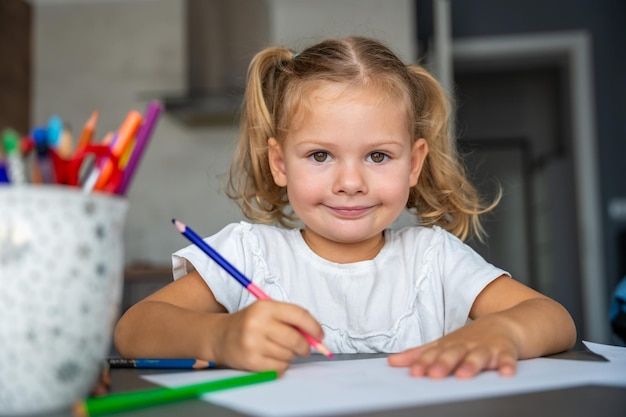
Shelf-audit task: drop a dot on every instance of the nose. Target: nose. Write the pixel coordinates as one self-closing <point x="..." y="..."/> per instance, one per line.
<point x="350" y="179"/>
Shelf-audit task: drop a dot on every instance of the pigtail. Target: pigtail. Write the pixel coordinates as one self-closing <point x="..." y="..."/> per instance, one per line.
<point x="444" y="195"/>
<point x="251" y="183"/>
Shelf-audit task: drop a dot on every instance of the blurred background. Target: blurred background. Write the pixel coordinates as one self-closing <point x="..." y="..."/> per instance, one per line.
<point x="539" y="85"/>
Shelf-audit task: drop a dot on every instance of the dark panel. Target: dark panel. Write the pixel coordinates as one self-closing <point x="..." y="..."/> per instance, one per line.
<point x="15" y="64"/>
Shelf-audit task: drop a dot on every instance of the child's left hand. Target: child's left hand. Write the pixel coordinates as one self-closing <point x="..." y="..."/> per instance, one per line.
<point x="481" y="345"/>
<point x="510" y="322"/>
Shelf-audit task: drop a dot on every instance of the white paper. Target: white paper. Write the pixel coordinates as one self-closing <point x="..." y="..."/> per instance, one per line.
<point x="337" y="387"/>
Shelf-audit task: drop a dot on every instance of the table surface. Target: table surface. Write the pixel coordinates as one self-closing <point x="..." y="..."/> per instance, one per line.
<point x="595" y="401"/>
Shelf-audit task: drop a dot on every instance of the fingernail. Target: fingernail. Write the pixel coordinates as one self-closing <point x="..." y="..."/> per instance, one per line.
<point x="507" y="370"/>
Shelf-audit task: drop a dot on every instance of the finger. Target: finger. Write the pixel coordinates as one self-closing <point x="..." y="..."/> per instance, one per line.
<point x="507" y="364"/>
<point x="300" y="318"/>
<point x="426" y="358"/>
<point x="265" y="363"/>
<point x="405" y="358"/>
<point x="446" y="361"/>
<point x="291" y="342"/>
<point x="267" y="355"/>
<point x="473" y="363"/>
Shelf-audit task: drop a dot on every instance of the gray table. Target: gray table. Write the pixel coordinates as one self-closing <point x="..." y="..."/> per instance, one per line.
<point x="583" y="401"/>
<point x="592" y="401"/>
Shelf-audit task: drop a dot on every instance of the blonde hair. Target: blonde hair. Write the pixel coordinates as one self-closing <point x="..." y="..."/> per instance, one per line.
<point x="279" y="83"/>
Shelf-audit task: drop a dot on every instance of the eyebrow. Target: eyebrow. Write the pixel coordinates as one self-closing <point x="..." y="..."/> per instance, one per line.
<point x="373" y="143"/>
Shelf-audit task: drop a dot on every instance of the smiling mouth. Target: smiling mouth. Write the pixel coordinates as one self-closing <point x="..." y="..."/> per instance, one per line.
<point x="351" y="212"/>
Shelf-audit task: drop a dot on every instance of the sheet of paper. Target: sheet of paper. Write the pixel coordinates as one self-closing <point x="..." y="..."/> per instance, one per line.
<point x="337" y="387"/>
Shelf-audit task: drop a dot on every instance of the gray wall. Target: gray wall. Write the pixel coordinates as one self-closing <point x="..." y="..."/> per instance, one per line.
<point x="113" y="55"/>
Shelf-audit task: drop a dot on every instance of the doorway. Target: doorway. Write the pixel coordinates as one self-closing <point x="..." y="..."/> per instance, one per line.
<point x="568" y="56"/>
<point x="512" y="127"/>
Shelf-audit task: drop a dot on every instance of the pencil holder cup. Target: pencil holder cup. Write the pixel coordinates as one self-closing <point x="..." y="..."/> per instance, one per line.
<point x="61" y="279"/>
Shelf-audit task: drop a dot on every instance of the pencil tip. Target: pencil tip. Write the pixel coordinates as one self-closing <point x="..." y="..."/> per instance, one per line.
<point x="324" y="350"/>
<point x="180" y="226"/>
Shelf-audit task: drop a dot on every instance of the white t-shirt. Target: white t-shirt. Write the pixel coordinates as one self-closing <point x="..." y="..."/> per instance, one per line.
<point x="420" y="286"/>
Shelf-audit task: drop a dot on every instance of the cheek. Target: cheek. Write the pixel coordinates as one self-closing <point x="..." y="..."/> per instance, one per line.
<point x="395" y="194"/>
<point x="303" y="185"/>
<point x="304" y="189"/>
<point x="395" y="187"/>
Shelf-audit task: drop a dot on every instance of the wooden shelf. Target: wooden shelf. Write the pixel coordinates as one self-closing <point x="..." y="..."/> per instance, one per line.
<point x="15" y="71"/>
<point x="148" y="273"/>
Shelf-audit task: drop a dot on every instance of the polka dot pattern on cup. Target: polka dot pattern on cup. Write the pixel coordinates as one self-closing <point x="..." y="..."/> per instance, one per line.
<point x="61" y="274"/>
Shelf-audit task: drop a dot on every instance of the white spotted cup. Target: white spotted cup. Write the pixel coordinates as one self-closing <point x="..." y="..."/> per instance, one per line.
<point x="61" y="278"/>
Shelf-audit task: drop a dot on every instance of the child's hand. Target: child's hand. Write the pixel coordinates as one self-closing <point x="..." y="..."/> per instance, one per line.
<point x="511" y="321"/>
<point x="481" y="345"/>
<point x="263" y="336"/>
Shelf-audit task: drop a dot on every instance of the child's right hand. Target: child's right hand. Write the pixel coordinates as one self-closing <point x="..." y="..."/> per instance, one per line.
<point x="264" y="336"/>
<point x="184" y="320"/>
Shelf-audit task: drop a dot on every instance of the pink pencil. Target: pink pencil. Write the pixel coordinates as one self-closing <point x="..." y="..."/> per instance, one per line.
<point x="241" y="278"/>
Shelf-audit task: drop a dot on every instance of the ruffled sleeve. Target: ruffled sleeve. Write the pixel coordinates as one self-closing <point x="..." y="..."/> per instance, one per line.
<point x="465" y="273"/>
<point x="230" y="243"/>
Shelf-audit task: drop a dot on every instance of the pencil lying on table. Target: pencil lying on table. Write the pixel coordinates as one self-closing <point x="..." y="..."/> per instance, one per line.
<point x="235" y="273"/>
<point x="156" y="363"/>
<point x="133" y="400"/>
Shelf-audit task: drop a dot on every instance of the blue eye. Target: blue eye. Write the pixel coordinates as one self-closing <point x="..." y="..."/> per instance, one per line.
<point x="378" y="157"/>
<point x="319" y="156"/>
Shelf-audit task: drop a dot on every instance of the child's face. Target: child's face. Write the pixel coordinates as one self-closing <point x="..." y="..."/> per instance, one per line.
<point x="348" y="165"/>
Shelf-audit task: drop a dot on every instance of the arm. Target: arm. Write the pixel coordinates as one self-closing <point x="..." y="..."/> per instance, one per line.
<point x="510" y="322"/>
<point x="184" y="319"/>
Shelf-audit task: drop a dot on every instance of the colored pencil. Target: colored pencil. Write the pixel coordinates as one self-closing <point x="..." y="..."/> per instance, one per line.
<point x="15" y="165"/>
<point x="133" y="400"/>
<point x="125" y="135"/>
<point x="94" y="172"/>
<point x="156" y="363"/>
<point x="64" y="144"/>
<point x="88" y="131"/>
<point x="235" y="273"/>
<point x="4" y="177"/>
<point x="143" y="137"/>
<point x="55" y="130"/>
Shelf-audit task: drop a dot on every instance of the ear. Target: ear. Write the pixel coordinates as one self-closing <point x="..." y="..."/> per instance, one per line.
<point x="277" y="162"/>
<point x="418" y="156"/>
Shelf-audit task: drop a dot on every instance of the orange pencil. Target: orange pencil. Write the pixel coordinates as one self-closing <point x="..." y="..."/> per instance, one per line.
<point x="127" y="132"/>
<point x="88" y="131"/>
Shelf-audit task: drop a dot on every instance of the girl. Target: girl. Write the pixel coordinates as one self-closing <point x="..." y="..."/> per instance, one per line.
<point x="336" y="142"/>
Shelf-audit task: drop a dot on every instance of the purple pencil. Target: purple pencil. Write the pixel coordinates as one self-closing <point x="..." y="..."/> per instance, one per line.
<point x="143" y="137"/>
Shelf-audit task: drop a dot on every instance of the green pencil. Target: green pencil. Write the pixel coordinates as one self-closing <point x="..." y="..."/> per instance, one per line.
<point x="124" y="401"/>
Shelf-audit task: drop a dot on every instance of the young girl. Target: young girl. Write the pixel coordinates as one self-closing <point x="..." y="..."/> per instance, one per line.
<point x="336" y="142"/>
